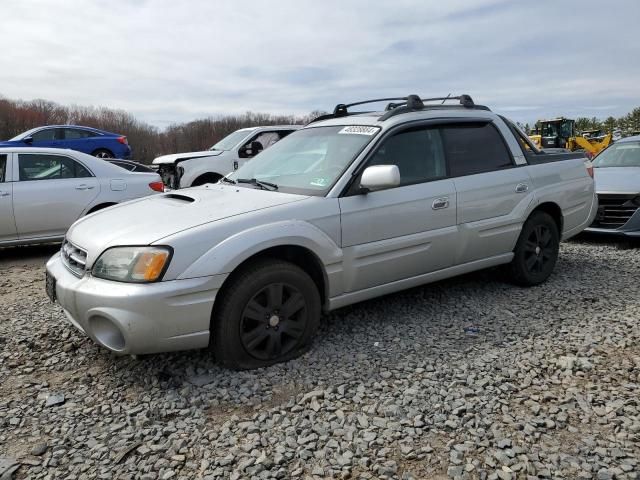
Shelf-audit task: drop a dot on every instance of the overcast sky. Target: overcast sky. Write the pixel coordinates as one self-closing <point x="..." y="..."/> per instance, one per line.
<point x="170" y="61"/>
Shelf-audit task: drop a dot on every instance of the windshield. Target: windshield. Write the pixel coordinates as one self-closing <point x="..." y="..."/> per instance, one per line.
<point x="23" y="135"/>
<point x="231" y="140"/>
<point x="549" y="129"/>
<point x="626" y="154"/>
<point x="308" y="161"/>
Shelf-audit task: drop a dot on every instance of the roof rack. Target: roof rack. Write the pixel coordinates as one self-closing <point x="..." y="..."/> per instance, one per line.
<point x="406" y="104"/>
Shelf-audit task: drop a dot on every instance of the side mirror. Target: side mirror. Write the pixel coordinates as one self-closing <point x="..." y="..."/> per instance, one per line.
<point x="244" y="151"/>
<point x="28" y="140"/>
<point x="379" y="177"/>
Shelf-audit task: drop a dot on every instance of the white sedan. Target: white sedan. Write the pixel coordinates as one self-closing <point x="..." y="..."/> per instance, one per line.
<point x="44" y="190"/>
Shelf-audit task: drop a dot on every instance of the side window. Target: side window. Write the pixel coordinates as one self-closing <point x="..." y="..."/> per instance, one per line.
<point x="75" y="134"/>
<point x="472" y="149"/>
<point x="418" y="153"/>
<point x="46" y="135"/>
<point x="3" y="167"/>
<point x="33" y="166"/>
<point x="267" y="139"/>
<point x="76" y="169"/>
<point x="284" y="133"/>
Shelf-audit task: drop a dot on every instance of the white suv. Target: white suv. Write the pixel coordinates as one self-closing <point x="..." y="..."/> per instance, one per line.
<point x="191" y="169"/>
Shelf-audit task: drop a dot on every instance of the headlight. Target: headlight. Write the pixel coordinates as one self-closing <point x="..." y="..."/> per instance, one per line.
<point x="132" y="264"/>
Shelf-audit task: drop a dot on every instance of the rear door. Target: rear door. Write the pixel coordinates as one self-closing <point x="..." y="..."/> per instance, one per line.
<point x="493" y="191"/>
<point x="7" y="222"/>
<point x="77" y="139"/>
<point x="406" y="231"/>
<point x="51" y="193"/>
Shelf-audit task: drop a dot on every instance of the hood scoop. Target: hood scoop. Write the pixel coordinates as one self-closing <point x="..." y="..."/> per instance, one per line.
<point x="176" y="197"/>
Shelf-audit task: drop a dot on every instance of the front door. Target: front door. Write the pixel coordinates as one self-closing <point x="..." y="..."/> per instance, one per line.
<point x="51" y="194"/>
<point x="7" y="222"/>
<point x="48" y="138"/>
<point x="405" y="231"/>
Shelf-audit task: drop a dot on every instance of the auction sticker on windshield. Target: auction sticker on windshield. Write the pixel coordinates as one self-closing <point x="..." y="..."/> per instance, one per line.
<point x="359" y="130"/>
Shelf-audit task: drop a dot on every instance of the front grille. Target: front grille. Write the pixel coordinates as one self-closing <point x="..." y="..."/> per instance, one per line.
<point x="614" y="210"/>
<point x="74" y="258"/>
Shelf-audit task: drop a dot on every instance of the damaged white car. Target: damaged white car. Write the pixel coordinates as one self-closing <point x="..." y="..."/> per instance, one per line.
<point x="191" y="169"/>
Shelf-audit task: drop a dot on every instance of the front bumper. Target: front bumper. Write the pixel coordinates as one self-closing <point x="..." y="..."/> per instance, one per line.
<point x="630" y="228"/>
<point x="614" y="232"/>
<point x="129" y="318"/>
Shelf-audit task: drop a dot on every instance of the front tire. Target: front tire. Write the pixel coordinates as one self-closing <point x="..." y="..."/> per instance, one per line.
<point x="268" y="313"/>
<point x="536" y="251"/>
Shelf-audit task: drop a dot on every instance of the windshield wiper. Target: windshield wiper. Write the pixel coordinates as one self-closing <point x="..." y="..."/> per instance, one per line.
<point x="227" y="180"/>
<point x="258" y="183"/>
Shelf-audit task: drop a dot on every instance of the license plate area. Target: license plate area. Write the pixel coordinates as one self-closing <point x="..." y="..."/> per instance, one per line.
<point x="50" y="287"/>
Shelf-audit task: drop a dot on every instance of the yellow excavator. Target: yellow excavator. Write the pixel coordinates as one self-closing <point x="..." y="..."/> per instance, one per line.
<point x="561" y="133"/>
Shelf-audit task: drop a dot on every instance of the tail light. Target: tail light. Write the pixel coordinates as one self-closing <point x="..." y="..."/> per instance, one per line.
<point x="157" y="186"/>
<point x="123" y="140"/>
<point x="589" y="166"/>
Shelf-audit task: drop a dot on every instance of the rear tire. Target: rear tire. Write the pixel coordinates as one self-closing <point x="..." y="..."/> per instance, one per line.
<point x="536" y="251"/>
<point x="268" y="313"/>
<point x="103" y="153"/>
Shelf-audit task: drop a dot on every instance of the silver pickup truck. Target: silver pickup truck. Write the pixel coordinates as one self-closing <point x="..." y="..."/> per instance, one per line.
<point x="353" y="206"/>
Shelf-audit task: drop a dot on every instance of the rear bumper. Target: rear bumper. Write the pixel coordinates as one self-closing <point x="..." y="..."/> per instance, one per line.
<point x="137" y="318"/>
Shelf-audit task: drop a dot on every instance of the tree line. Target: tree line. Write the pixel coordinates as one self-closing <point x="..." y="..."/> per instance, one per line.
<point x="147" y="141"/>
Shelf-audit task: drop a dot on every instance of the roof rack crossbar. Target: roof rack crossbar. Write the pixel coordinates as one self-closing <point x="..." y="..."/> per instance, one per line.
<point x="405" y="104"/>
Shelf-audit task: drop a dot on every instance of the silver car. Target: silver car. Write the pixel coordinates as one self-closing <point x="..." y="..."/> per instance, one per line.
<point x="351" y="207"/>
<point x="44" y="190"/>
<point x="617" y="176"/>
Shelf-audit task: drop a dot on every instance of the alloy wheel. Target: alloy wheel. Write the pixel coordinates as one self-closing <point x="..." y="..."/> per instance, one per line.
<point x="273" y="321"/>
<point x="538" y="249"/>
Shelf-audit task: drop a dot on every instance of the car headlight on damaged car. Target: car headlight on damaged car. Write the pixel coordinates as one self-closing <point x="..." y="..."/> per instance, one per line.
<point x="142" y="264"/>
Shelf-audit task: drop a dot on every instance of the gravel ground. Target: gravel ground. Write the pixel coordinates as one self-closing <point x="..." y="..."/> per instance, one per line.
<point x="545" y="385"/>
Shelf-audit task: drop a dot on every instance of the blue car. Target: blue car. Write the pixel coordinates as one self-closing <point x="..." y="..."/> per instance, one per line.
<point x="83" y="139"/>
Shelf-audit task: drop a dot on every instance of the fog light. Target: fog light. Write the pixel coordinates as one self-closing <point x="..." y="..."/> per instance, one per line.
<point x="107" y="333"/>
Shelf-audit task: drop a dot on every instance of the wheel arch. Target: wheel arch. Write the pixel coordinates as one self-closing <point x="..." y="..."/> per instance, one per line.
<point x="554" y="210"/>
<point x="208" y="177"/>
<point x="302" y="257"/>
<point x="100" y="206"/>
<point x="296" y="241"/>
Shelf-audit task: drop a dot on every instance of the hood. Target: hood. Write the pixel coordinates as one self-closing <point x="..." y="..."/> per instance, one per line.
<point x="7" y="143"/>
<point x="185" y="156"/>
<point x="617" y="179"/>
<point x="148" y="220"/>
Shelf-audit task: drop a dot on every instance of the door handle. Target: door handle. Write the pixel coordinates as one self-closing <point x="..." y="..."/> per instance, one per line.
<point x="440" y="203"/>
<point x="84" y="187"/>
<point x="4" y="194"/>
<point x="522" y="188"/>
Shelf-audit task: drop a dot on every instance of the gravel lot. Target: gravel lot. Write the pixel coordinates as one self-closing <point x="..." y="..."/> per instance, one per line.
<point x="548" y="387"/>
